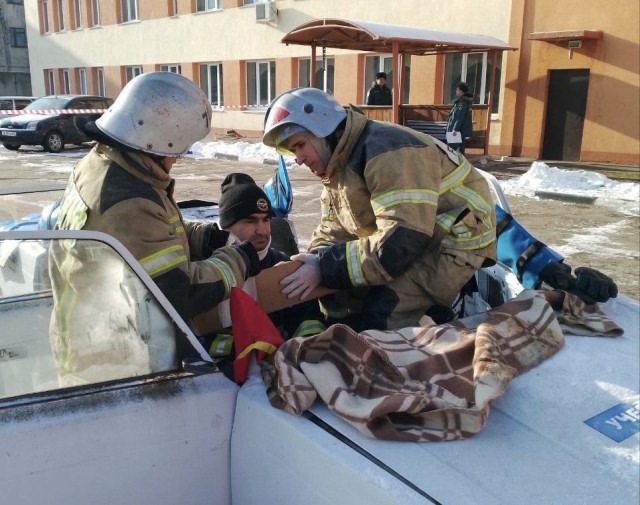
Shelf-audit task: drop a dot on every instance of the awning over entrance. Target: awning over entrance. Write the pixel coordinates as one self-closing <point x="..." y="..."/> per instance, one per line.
<point x="565" y="35"/>
<point x="378" y="37"/>
<point x="397" y="40"/>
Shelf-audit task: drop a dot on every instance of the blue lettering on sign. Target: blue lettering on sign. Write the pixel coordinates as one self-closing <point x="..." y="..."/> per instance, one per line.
<point x="618" y="423"/>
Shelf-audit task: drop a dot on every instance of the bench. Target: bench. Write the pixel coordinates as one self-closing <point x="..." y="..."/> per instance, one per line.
<point x="437" y="129"/>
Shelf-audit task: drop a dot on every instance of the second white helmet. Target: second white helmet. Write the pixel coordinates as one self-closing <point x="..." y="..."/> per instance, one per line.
<point x="298" y="110"/>
<point x="161" y="113"/>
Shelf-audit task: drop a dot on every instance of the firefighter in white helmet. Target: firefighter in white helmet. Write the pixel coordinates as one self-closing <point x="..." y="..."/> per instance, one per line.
<point x="405" y="220"/>
<point x="123" y="187"/>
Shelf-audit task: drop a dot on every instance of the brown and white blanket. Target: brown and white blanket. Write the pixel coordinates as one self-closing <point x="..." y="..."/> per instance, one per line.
<point x="429" y="383"/>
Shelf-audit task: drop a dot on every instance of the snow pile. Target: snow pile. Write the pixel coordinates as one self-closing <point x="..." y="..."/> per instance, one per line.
<point x="542" y="178"/>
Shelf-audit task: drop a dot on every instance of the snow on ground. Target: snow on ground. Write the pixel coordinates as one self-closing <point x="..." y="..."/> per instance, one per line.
<point x="625" y="196"/>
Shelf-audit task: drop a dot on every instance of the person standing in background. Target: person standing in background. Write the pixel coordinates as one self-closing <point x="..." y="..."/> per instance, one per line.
<point x="379" y="93"/>
<point x="460" y="117"/>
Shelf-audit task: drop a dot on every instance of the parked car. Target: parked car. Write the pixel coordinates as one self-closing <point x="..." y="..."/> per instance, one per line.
<point x="11" y="103"/>
<point x="50" y="126"/>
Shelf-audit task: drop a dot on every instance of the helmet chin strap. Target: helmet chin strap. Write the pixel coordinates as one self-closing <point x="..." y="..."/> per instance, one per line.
<point x="321" y="145"/>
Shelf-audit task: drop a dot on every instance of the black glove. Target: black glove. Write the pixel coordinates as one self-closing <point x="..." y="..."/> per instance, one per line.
<point x="593" y="286"/>
<point x="558" y="276"/>
<point x="589" y="285"/>
<point x="217" y="239"/>
<point x="251" y="258"/>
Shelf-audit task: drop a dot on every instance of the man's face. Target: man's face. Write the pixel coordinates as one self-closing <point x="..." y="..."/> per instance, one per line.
<point x="381" y="81"/>
<point x="306" y="154"/>
<point x="255" y="228"/>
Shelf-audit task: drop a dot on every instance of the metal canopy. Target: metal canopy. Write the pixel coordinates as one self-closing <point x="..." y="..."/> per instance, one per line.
<point x="398" y="40"/>
<point x="378" y="37"/>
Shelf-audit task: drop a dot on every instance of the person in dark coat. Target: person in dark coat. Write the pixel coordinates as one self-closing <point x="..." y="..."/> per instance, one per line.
<point x="379" y="93"/>
<point x="460" y="117"/>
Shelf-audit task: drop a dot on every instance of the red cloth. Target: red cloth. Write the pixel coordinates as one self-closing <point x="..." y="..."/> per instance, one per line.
<point x="250" y="326"/>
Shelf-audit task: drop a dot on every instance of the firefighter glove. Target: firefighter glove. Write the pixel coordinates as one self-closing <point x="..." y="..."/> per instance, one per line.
<point x="593" y="286"/>
<point x="303" y="280"/>
<point x="558" y="276"/>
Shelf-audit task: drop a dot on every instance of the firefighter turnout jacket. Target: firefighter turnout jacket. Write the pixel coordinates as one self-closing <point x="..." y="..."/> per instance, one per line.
<point x="402" y="211"/>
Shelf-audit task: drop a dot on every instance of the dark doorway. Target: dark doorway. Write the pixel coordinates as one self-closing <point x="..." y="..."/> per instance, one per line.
<point x="566" y="105"/>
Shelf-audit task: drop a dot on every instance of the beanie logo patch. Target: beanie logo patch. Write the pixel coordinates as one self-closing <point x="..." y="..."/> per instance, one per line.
<point x="262" y="205"/>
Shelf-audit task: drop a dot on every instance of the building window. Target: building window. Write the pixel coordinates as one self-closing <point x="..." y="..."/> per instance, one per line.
<point x="176" y="69"/>
<point x="95" y="12"/>
<point x="129" y="10"/>
<point x="207" y="5"/>
<point x="18" y="37"/>
<point x="82" y="79"/>
<point x="375" y="64"/>
<point x="211" y="83"/>
<point x="324" y="79"/>
<point x="475" y="70"/>
<point x="60" y="11"/>
<point x="131" y="72"/>
<point x="44" y="17"/>
<point x="51" y="83"/>
<point x="261" y="81"/>
<point x="66" y="82"/>
<point x="173" y="8"/>
<point x="77" y="15"/>
<point x="15" y="2"/>
<point x="102" y="88"/>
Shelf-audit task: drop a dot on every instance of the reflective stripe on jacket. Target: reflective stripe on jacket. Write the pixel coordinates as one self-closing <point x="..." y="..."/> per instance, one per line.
<point x="382" y="178"/>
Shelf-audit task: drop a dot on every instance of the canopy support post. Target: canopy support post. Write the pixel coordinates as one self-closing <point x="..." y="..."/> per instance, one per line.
<point x="396" y="84"/>
<point x="312" y="77"/>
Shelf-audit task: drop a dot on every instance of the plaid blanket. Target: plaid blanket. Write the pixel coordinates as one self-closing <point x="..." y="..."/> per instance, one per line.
<point x="429" y="383"/>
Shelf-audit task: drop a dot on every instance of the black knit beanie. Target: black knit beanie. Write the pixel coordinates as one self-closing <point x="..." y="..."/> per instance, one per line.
<point x="240" y="198"/>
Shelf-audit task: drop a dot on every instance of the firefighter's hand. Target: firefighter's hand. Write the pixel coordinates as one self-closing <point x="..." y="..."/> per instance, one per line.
<point x="558" y="276"/>
<point x="302" y="281"/>
<point x="252" y="259"/>
<point x="593" y="286"/>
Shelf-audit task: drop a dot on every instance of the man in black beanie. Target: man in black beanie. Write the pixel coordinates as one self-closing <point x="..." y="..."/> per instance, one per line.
<point x="245" y="212"/>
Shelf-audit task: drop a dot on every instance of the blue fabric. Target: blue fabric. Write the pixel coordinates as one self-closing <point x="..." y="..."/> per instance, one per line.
<point x="278" y="191"/>
<point x="513" y="241"/>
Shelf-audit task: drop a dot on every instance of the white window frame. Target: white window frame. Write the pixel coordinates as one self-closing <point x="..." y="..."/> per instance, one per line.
<point x="325" y="85"/>
<point x="51" y="79"/>
<point x="60" y="16"/>
<point x="209" y="72"/>
<point x="256" y="73"/>
<point x="95" y="12"/>
<point x="132" y="71"/>
<point x="45" y="17"/>
<point x="66" y="82"/>
<point x="102" y="87"/>
<point x="82" y="78"/>
<point x="207" y="5"/>
<point x="480" y="95"/>
<point x="175" y="68"/>
<point x="129" y="10"/>
<point x="77" y="14"/>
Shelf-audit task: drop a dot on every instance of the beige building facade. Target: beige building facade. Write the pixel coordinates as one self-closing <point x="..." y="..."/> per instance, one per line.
<point x="570" y="90"/>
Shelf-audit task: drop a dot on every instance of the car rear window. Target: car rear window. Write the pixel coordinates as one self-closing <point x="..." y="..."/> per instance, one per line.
<point x="48" y="103"/>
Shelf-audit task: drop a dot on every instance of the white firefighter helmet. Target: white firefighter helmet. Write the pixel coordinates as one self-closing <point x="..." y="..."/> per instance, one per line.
<point x="299" y="110"/>
<point x="161" y="113"/>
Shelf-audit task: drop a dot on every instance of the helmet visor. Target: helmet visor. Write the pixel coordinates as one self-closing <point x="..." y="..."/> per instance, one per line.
<point x="284" y="133"/>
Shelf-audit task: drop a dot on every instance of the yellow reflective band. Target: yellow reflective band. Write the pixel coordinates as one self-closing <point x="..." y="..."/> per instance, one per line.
<point x="473" y="198"/>
<point x="399" y="196"/>
<point x="257" y="346"/>
<point x="356" y="275"/>
<point x="164" y="260"/>
<point x="175" y="220"/>
<point x="469" y="244"/>
<point x="327" y="211"/>
<point x="221" y="345"/>
<point x="455" y="177"/>
<point x="226" y="274"/>
<point x="308" y="328"/>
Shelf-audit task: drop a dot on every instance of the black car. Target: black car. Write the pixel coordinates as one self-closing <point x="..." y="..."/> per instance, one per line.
<point x="49" y="126"/>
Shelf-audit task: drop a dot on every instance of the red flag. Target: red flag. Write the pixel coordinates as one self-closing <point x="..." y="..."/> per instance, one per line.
<point x="252" y="330"/>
